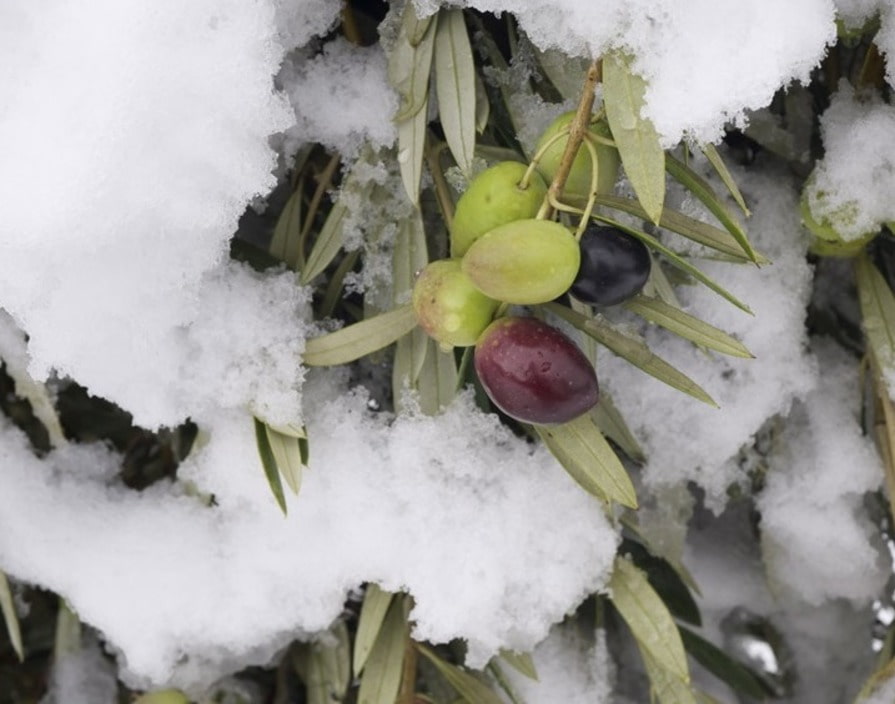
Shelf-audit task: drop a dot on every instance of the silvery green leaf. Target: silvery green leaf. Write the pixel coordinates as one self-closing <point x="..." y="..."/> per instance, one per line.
<point x="700" y="188"/>
<point x="360" y="339"/>
<point x="584" y="453"/>
<point x="67" y="638"/>
<point x="411" y="150"/>
<point x="879" y="679"/>
<point x="648" y="618"/>
<point x="269" y="464"/>
<point x="324" y="667"/>
<point x="482" y="105"/>
<point x="289" y="455"/>
<point x="665" y="686"/>
<point x="711" y="153"/>
<point x="327" y="244"/>
<point x="721" y="665"/>
<point x="372" y="614"/>
<point x="633" y="350"/>
<point x="438" y="379"/>
<point x="634" y="135"/>
<point x="686" y="326"/>
<point x="383" y="670"/>
<point x="678" y="262"/>
<point x="410" y="63"/>
<point x="522" y="662"/>
<point x="455" y="86"/>
<point x="471" y="688"/>
<point x="7" y="606"/>
<point x="611" y="423"/>
<point x="877" y="312"/>
<point x="286" y="242"/>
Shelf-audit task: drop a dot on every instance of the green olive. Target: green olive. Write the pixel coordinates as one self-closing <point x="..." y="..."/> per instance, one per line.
<point x="524" y="262"/>
<point x="163" y="696"/>
<point x="842" y="249"/>
<point x="449" y="307"/>
<point x="494" y="198"/>
<point x="578" y="183"/>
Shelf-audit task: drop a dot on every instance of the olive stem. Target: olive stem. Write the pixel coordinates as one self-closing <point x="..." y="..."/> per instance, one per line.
<point x="526" y="177"/>
<point x="442" y="190"/>
<point x="592" y="196"/>
<point x="324" y="184"/>
<point x="577" y="128"/>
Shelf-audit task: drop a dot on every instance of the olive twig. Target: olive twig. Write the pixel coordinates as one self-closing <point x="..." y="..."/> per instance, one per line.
<point x="592" y="196"/>
<point x="577" y="129"/>
<point x="442" y="190"/>
<point x="326" y="181"/>
<point x="557" y="204"/>
<point x="533" y="164"/>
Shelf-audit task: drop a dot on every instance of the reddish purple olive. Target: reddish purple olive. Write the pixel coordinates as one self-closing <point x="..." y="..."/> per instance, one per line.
<point x="614" y="266"/>
<point x="533" y="372"/>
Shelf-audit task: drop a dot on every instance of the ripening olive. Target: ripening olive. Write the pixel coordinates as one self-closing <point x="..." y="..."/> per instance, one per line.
<point x="614" y="266"/>
<point x="578" y="183"/>
<point x="448" y="306"/>
<point x="524" y="262"/>
<point x="494" y="198"/>
<point x="163" y="696"/>
<point x="533" y="372"/>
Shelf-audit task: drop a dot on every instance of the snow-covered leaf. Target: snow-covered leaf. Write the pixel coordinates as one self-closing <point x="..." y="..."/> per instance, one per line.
<point x="634" y="135"/>
<point x="648" y="618"/>
<point x="686" y="326"/>
<point x="611" y="423"/>
<point x="324" y="667"/>
<point x="455" y="86"/>
<point x="290" y="454"/>
<point x="721" y="665"/>
<point x="384" y="666"/>
<point x="522" y="662"/>
<point x="411" y="150"/>
<point x="468" y="686"/>
<point x="714" y="157"/>
<point x="372" y="614"/>
<point x="408" y="258"/>
<point x="286" y="242"/>
<point x="9" y="616"/>
<point x="589" y="459"/>
<point x="360" y="339"/>
<point x="269" y="463"/>
<point x="877" y="312"/>
<point x="410" y="63"/>
<point x="438" y="379"/>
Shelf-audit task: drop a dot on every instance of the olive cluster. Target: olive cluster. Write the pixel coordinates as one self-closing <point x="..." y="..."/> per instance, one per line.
<point x="504" y="252"/>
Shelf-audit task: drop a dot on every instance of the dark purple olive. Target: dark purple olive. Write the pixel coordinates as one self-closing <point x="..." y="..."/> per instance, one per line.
<point x="614" y="266"/>
<point x="533" y="372"/>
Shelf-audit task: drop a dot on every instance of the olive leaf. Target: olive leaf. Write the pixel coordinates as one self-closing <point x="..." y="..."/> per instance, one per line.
<point x="497" y="674"/>
<point x="290" y="453"/>
<point x="633" y="350"/>
<point x="648" y="618"/>
<point x="700" y="188"/>
<point x="67" y="638"/>
<point x="877" y="311"/>
<point x="372" y="614"/>
<point x="875" y="682"/>
<point x="383" y="670"/>
<point x="686" y="326"/>
<point x="725" y="668"/>
<point x="441" y="379"/>
<point x="324" y="667"/>
<point x="455" y="87"/>
<point x="327" y="244"/>
<point x="665" y="579"/>
<point x="634" y="135"/>
<point x="7" y="606"/>
<point x="286" y="242"/>
<point x="610" y="422"/>
<point x="360" y="339"/>
<point x="700" y="232"/>
<point x="482" y="105"/>
<point x="677" y="261"/>
<point x="711" y="153"/>
<point x="410" y="62"/>
<point x="269" y="464"/>
<point x="521" y="662"/>
<point x="584" y="453"/>
<point x="467" y="685"/>
<point x="665" y="686"/>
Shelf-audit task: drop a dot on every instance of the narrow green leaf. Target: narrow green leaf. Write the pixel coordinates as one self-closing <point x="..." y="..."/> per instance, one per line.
<point x="7" y="606"/>
<point x="468" y="686"/>
<point x="359" y="339"/>
<point x="410" y="63"/>
<point x="691" y="228"/>
<point x="288" y="456"/>
<point x="286" y="241"/>
<point x="634" y="351"/>
<point x="482" y="105"/>
<point x="666" y="686"/>
<point x="610" y="422"/>
<point x="67" y="639"/>
<point x="522" y="662"/>
<point x="686" y="326"/>
<point x="327" y="244"/>
<point x="877" y="312"/>
<point x="658" y="284"/>
<point x="411" y="150"/>
<point x="324" y="667"/>
<point x="438" y="379"/>
<point x="711" y="153"/>
<point x="678" y="262"/>
<point x="372" y="614"/>
<point x="648" y="618"/>
<point x="455" y="86"/>
<point x="700" y="188"/>
<point x="496" y="671"/>
<point x="269" y="463"/>
<point x="634" y="135"/>
<point x="588" y="458"/>
<point x="384" y="667"/>
<point x="721" y="665"/>
<point x="665" y="580"/>
<point x="876" y="681"/>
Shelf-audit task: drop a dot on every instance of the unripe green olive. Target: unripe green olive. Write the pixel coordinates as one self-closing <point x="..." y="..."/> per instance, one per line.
<point x="578" y="183"/>
<point x="524" y="262"/>
<point x="449" y="307"/>
<point x="163" y="696"/>
<point x="494" y="198"/>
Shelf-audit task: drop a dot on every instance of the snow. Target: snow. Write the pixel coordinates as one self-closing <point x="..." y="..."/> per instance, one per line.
<point x="706" y="61"/>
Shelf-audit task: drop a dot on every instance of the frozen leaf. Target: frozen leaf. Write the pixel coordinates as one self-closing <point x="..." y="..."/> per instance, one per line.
<point x="455" y="85"/>
<point x="384" y="666"/>
<point x="522" y="662"/>
<point x="711" y="153"/>
<point x="269" y="463"/>
<point x="286" y="242"/>
<point x="877" y="312"/>
<point x="360" y="339"/>
<point x="290" y="454"/>
<point x="472" y="689"/>
<point x="10" y="617"/>
<point x="634" y="135"/>
<point x="411" y="150"/>
<point x="410" y="63"/>
<point x="372" y="614"/>
<point x="324" y="667"/>
<point x="722" y="666"/>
